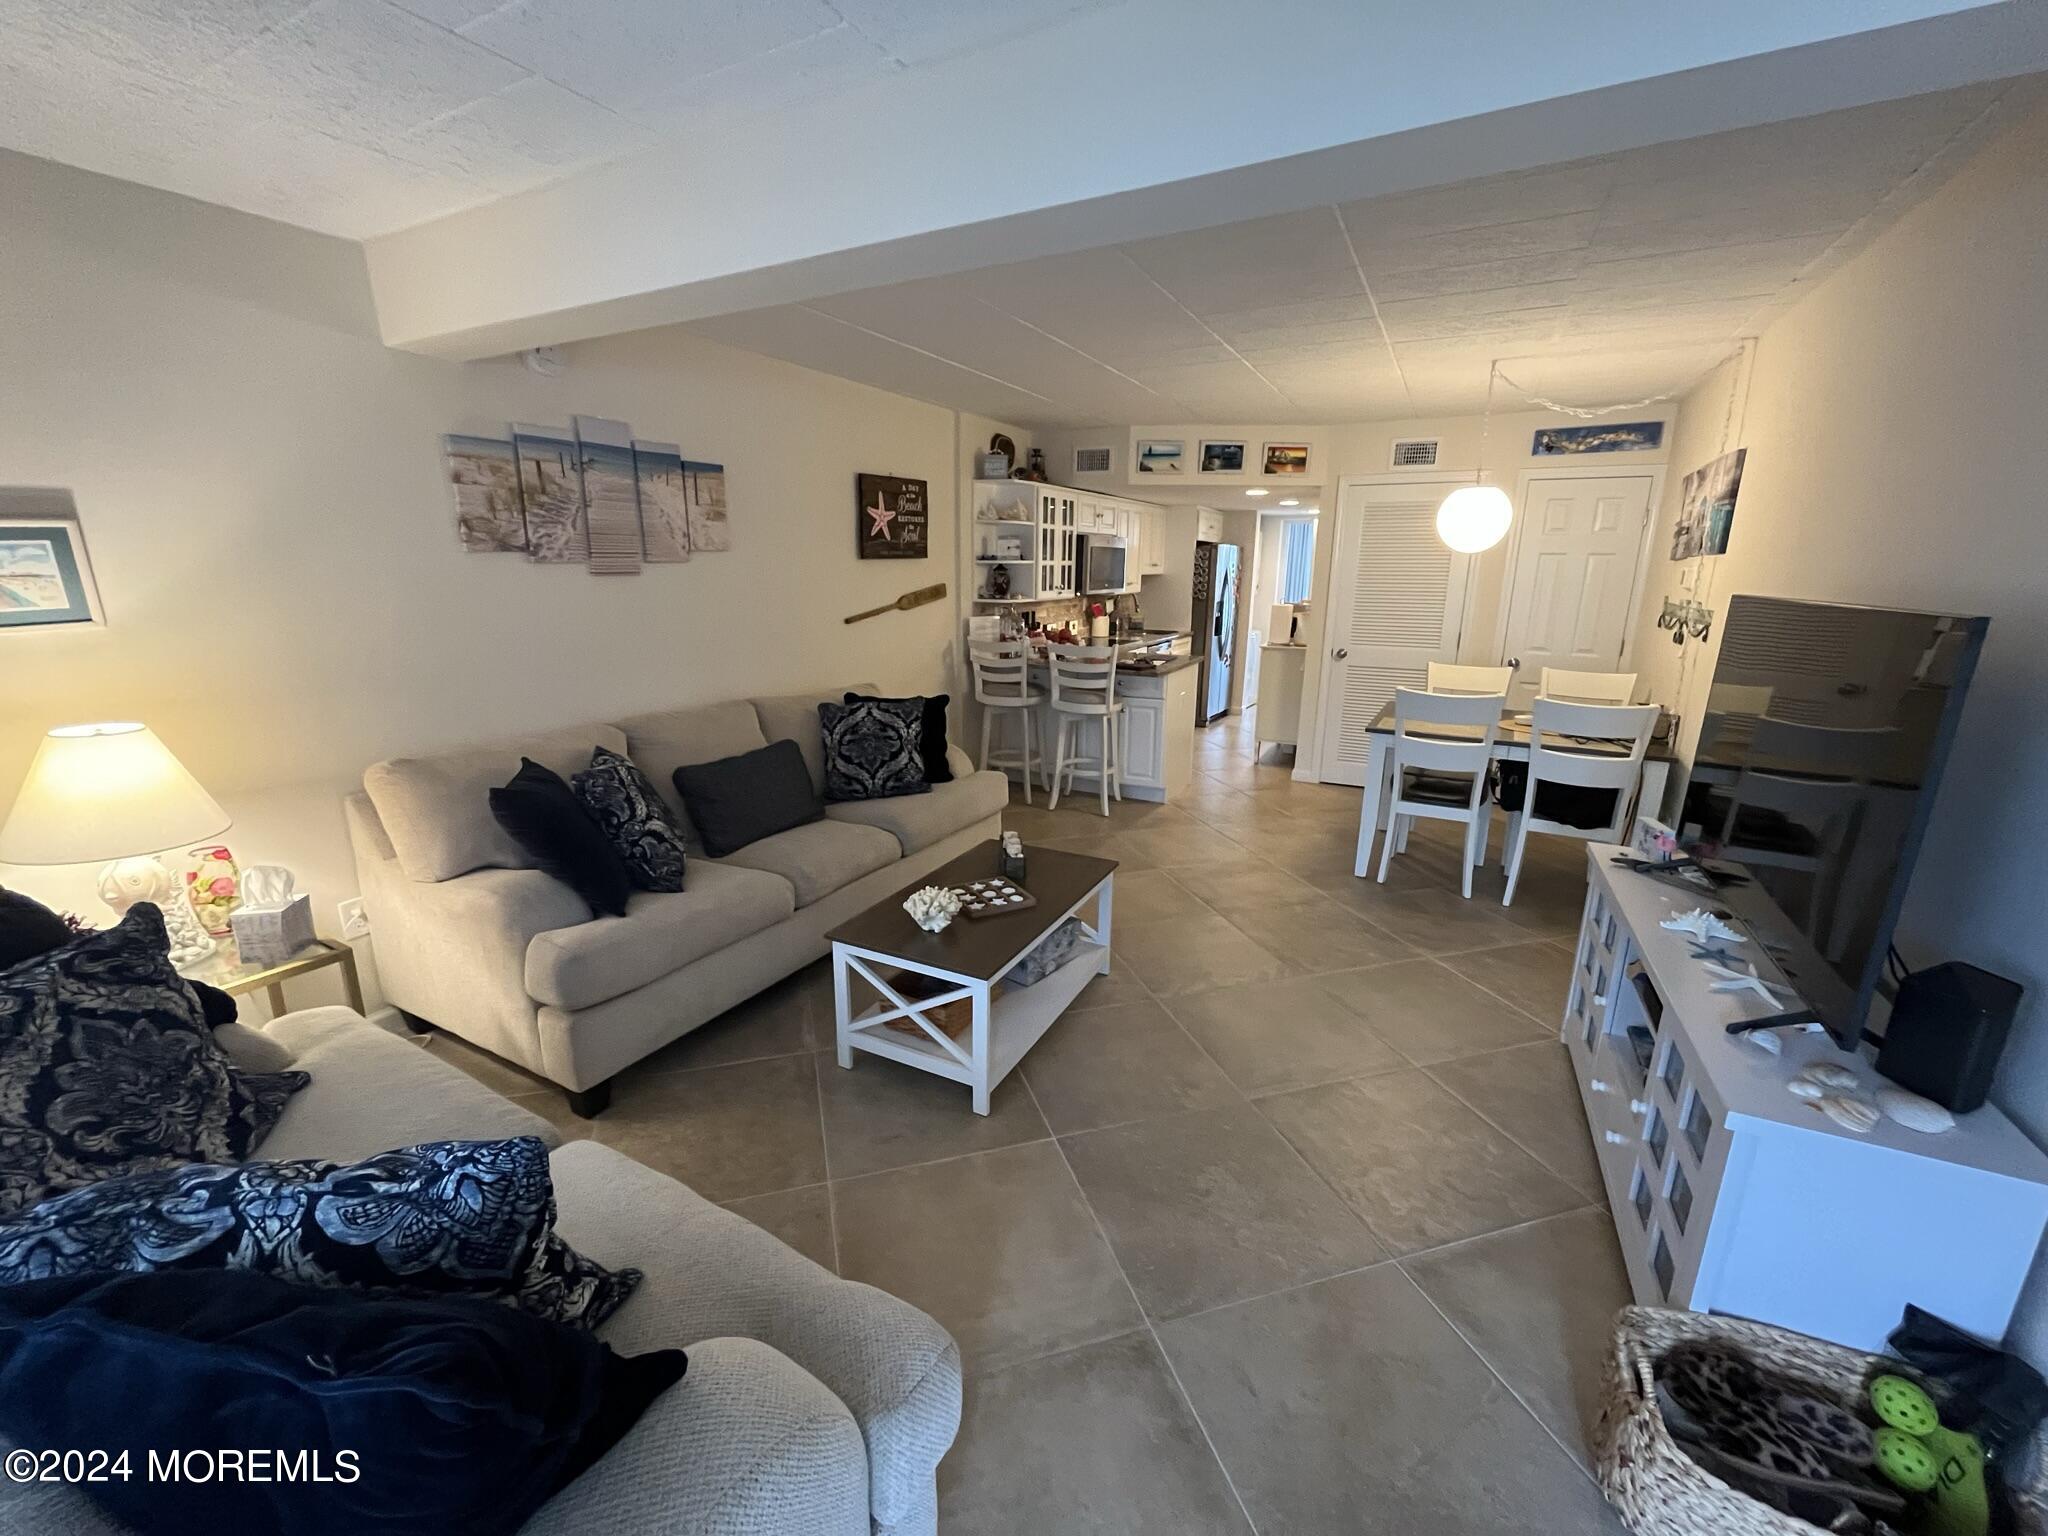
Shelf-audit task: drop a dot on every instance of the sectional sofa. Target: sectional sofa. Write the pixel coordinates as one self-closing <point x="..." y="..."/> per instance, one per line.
<point x="471" y="938"/>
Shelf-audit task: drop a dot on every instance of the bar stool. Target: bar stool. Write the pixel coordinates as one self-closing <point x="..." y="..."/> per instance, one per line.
<point x="1002" y="684"/>
<point x="1084" y="689"/>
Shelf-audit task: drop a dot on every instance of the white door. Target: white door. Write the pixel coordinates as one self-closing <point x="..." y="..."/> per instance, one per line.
<point x="1573" y="586"/>
<point x="1397" y="596"/>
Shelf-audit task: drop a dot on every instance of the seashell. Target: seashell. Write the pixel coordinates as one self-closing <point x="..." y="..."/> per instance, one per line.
<point x="1914" y="1112"/>
<point x="1767" y="1041"/>
<point x="1805" y="1088"/>
<point x="1829" y="1075"/>
<point x="1858" y="1115"/>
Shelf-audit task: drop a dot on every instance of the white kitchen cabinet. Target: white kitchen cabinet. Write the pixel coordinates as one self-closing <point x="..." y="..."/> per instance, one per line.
<point x="1151" y="541"/>
<point x="1208" y="526"/>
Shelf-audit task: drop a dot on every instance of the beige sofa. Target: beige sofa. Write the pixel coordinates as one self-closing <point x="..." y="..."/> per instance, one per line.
<point x="812" y="1404"/>
<point x="470" y="937"/>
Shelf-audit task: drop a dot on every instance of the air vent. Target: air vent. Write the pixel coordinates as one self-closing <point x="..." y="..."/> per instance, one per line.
<point x="1415" y="452"/>
<point x="1091" y="461"/>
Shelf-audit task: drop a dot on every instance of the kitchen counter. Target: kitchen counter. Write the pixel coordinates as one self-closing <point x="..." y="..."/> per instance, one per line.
<point x="1159" y="726"/>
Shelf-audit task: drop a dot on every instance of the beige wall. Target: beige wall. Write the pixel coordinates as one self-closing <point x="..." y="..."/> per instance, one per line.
<point x="1898" y="456"/>
<point x="260" y="483"/>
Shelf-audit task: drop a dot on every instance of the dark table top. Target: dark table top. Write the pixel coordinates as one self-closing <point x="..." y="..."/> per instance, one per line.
<point x="978" y="946"/>
<point x="1516" y="733"/>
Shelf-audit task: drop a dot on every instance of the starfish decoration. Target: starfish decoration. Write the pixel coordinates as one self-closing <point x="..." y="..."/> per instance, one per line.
<point x="880" y="516"/>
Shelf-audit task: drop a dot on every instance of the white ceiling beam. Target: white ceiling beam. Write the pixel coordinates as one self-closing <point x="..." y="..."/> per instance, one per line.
<point x="1140" y="122"/>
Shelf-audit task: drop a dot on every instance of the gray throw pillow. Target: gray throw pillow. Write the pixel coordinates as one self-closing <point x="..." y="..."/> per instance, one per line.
<point x="874" y="749"/>
<point x="625" y="804"/>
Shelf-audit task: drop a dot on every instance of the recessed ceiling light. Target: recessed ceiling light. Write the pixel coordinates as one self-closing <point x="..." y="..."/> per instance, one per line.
<point x="1290" y="501"/>
<point x="1258" y="490"/>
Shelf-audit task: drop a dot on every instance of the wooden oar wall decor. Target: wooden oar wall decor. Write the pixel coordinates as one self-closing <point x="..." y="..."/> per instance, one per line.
<point x="903" y="604"/>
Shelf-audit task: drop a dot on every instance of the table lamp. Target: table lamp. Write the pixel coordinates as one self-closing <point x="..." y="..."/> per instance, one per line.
<point x="114" y="792"/>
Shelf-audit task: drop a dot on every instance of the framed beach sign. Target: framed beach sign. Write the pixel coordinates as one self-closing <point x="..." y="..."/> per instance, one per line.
<point x="45" y="575"/>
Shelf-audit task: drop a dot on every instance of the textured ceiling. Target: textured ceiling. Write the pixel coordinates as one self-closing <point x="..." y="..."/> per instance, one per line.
<point x="1594" y="282"/>
<point x="358" y="117"/>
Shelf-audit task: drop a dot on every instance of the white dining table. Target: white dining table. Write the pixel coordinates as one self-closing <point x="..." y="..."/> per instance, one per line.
<point x="1510" y="745"/>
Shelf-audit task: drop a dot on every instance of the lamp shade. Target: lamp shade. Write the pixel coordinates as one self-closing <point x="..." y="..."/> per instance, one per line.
<point x="1474" y="517"/>
<point x="101" y="792"/>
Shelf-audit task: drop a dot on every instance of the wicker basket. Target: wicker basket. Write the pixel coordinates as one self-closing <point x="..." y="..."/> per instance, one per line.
<point x="1661" y="1491"/>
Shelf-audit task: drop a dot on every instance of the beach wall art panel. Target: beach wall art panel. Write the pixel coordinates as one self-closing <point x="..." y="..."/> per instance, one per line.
<point x="485" y="475"/>
<point x="611" y="502"/>
<point x="664" y="511"/>
<point x="45" y="576"/>
<point x="704" y="496"/>
<point x="551" y="489"/>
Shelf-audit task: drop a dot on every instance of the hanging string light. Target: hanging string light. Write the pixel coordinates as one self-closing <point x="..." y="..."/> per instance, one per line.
<point x="1476" y="517"/>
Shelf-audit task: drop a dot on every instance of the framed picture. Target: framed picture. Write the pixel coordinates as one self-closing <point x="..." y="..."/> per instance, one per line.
<point x="485" y="474"/>
<point x="1287" y="458"/>
<point x="1621" y="437"/>
<point x="1161" y="456"/>
<point x="1706" y="507"/>
<point x="894" y="518"/>
<point x="45" y="575"/>
<point x="1222" y="458"/>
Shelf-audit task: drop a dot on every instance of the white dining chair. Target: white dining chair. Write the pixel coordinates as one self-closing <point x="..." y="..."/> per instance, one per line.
<point x="1084" y="691"/>
<point x="1456" y="677"/>
<point x="1586" y="687"/>
<point x="1554" y="726"/>
<point x="1002" y="686"/>
<point x="1440" y="777"/>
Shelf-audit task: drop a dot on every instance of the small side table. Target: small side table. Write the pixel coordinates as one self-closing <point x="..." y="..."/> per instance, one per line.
<point x="224" y="969"/>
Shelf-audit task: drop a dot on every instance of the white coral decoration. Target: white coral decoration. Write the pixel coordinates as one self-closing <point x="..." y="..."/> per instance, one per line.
<point x="933" y="907"/>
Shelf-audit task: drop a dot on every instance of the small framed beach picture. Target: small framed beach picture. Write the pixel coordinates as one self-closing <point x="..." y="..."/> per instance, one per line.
<point x="1222" y="458"/>
<point x="1161" y="456"/>
<point x="1287" y="458"/>
<point x="45" y="574"/>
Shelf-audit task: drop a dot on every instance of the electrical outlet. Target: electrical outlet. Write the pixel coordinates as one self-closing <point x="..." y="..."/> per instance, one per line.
<point x="355" y="922"/>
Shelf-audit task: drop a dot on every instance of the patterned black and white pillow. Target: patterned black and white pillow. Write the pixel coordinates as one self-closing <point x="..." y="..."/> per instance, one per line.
<point x="447" y="1218"/>
<point x="874" y="749"/>
<point x="108" y="1067"/>
<point x="624" y="802"/>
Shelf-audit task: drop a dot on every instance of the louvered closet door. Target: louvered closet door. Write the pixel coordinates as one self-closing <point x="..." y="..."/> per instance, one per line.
<point x="1397" y="593"/>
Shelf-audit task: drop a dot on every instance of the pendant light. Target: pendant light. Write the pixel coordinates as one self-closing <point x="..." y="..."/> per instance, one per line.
<point x="1475" y="517"/>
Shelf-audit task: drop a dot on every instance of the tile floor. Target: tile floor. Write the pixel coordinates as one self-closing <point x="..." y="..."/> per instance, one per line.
<point x="1289" y="1226"/>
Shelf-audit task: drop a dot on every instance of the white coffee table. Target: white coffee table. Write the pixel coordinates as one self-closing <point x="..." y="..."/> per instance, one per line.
<point x="970" y="958"/>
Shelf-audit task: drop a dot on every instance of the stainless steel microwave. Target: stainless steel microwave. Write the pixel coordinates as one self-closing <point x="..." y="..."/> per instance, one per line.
<point x="1104" y="564"/>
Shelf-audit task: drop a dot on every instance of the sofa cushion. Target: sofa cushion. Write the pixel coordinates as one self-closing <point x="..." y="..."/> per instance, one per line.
<point x="373" y="1090"/>
<point x="668" y="739"/>
<point x="546" y="818"/>
<point x="874" y="749"/>
<point x="938" y="765"/>
<point x="820" y="856"/>
<point x="794" y="717"/>
<point x="623" y="800"/>
<point x="582" y="966"/>
<point x="918" y="821"/>
<point x="436" y="810"/>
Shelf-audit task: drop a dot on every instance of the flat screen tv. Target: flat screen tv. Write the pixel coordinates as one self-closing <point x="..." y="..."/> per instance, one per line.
<point x="1819" y="754"/>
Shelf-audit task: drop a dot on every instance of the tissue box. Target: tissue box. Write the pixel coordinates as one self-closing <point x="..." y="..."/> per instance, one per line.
<point x="272" y="935"/>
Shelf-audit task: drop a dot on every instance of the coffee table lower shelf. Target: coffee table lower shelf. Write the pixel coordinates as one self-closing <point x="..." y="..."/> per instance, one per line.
<point x="1004" y="1027"/>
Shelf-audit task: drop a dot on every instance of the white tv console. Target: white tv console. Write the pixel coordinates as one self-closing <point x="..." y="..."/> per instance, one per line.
<point x="1731" y="1195"/>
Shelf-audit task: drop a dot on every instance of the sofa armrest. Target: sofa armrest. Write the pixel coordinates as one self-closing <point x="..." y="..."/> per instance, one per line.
<point x="958" y="760"/>
<point x="747" y="1441"/>
<point x="711" y="1273"/>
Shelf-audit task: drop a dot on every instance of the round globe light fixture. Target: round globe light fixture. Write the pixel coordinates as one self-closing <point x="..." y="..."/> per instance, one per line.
<point x="1474" y="518"/>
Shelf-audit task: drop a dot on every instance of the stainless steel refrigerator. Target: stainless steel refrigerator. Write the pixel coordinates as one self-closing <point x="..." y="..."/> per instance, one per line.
<point x="1215" y="627"/>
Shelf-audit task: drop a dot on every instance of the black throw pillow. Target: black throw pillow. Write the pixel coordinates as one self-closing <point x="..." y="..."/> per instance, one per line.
<point x="543" y="816"/>
<point x="401" y="1416"/>
<point x="624" y="802"/>
<point x="872" y="749"/>
<point x="937" y="768"/>
<point x="28" y="928"/>
<point x="108" y="1066"/>
<point x="740" y="800"/>
<point x="462" y="1218"/>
